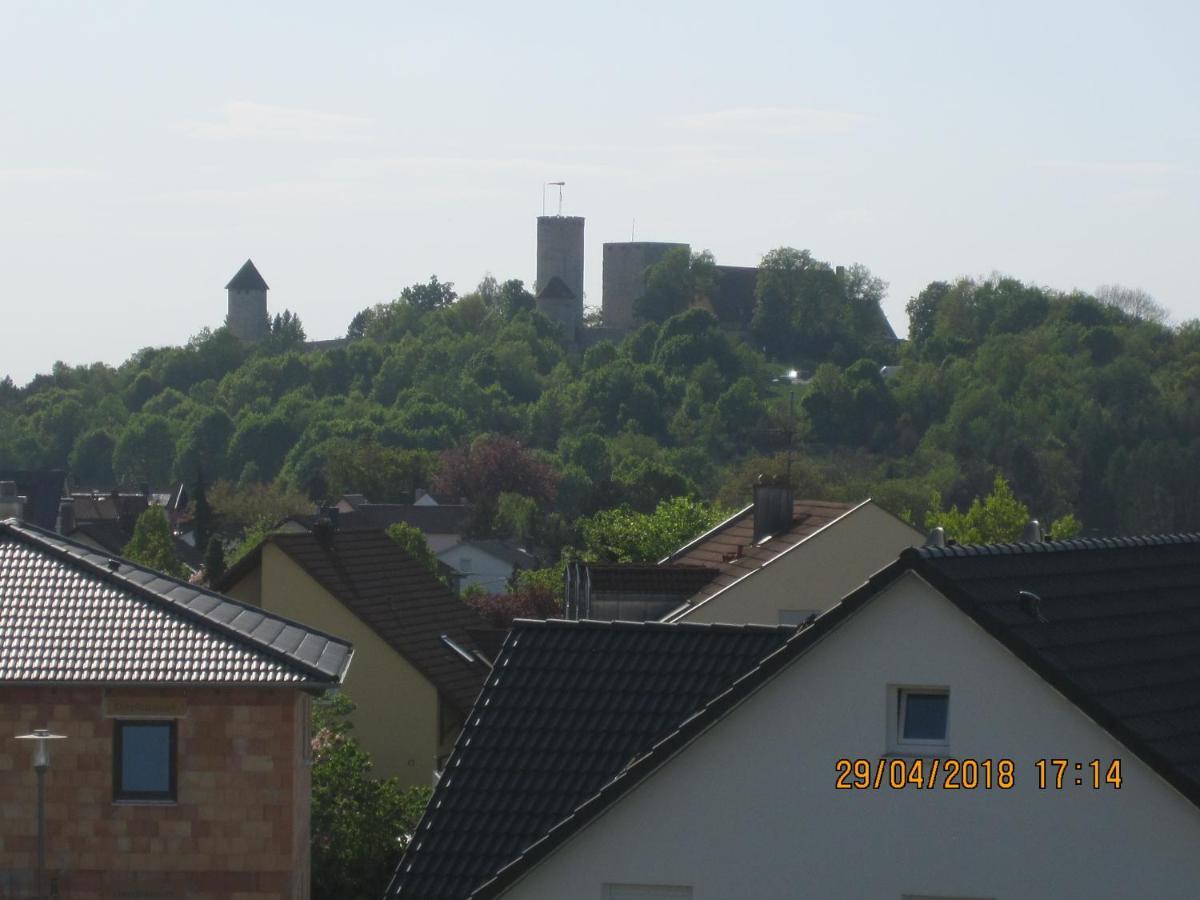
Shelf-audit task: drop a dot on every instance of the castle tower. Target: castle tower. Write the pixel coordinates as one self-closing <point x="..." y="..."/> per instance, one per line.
<point x="560" y="253"/>
<point x="624" y="276"/>
<point x="556" y="302"/>
<point x="247" y="317"/>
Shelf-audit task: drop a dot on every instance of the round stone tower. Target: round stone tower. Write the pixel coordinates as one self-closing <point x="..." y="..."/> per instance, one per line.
<point x="247" y="317"/>
<point x="625" y="266"/>
<point x="560" y="252"/>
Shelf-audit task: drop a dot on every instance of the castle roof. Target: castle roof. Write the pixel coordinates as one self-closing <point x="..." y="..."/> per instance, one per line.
<point x="556" y="289"/>
<point x="247" y="279"/>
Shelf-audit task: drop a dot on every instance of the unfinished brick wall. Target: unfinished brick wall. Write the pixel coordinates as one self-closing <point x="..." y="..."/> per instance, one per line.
<point x="239" y="827"/>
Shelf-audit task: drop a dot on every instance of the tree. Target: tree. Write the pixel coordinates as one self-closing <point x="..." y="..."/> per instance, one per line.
<point x="430" y="296"/>
<point x="624" y="535"/>
<point x="1133" y="302"/>
<point x="998" y="518"/>
<point x="412" y="540"/>
<point x="286" y="333"/>
<point x="214" y="560"/>
<point x="360" y="824"/>
<point x="489" y="466"/>
<point x="143" y="452"/>
<point x="523" y="601"/>
<point x="91" y="458"/>
<point x="152" y="544"/>
<point x="676" y="282"/>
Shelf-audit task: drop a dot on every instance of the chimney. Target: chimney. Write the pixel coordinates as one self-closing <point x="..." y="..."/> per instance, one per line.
<point x="66" y="516"/>
<point x="936" y="538"/>
<point x="12" y="506"/>
<point x="772" y="508"/>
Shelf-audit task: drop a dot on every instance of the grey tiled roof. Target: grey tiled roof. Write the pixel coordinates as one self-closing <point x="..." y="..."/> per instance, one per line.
<point x="69" y="614"/>
<point x="567" y="707"/>
<point x="247" y="279"/>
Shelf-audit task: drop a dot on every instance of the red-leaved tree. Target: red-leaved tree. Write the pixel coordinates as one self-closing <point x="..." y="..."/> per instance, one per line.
<point x="491" y="465"/>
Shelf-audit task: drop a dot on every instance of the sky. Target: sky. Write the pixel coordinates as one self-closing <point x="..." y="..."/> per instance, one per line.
<point x="148" y="149"/>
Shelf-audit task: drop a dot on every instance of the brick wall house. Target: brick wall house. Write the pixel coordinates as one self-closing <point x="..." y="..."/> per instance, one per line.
<point x="185" y="769"/>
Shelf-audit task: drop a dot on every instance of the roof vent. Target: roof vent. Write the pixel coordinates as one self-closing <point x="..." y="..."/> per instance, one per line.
<point x="66" y="516"/>
<point x="936" y="537"/>
<point x="457" y="648"/>
<point x="114" y="564"/>
<point x="1032" y="532"/>
<point x="1031" y="605"/>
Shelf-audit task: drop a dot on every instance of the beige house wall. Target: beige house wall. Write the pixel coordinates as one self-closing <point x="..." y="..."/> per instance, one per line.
<point x="396" y="719"/>
<point x="813" y="575"/>
<point x="750" y="809"/>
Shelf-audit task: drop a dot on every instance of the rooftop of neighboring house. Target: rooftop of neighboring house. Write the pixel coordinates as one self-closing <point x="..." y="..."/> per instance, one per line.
<point x="504" y="550"/>
<point x="395" y="595"/>
<point x="1112" y="624"/>
<point x="567" y="706"/>
<point x="72" y="615"/>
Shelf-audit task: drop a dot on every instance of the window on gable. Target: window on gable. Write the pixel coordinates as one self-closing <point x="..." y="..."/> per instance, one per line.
<point x="922" y="716"/>
<point x="144" y="760"/>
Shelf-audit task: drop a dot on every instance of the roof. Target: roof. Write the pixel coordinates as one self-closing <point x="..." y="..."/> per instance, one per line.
<point x="556" y="289"/>
<point x="649" y="579"/>
<point x="70" y="615"/>
<point x="429" y="519"/>
<point x="569" y="705"/>
<point x="505" y="551"/>
<point x="730" y="549"/>
<point x="247" y="279"/>
<point x="42" y="490"/>
<point x="1115" y="629"/>
<point x="105" y="533"/>
<point x="394" y="595"/>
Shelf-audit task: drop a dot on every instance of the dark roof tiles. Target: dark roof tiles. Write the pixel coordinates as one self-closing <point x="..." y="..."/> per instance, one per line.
<point x="395" y="595"/>
<point x="247" y="279"/>
<point x="568" y="706"/>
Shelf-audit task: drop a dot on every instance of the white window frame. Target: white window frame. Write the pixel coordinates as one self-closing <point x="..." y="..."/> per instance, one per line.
<point x="897" y="700"/>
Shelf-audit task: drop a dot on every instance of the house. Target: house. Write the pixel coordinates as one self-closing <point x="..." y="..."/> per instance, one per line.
<point x="778" y="561"/>
<point x="417" y="666"/>
<point x="441" y="523"/>
<point x="39" y="492"/>
<point x="185" y="766"/>
<point x="583" y="699"/>
<point x="973" y="722"/>
<point x="486" y="563"/>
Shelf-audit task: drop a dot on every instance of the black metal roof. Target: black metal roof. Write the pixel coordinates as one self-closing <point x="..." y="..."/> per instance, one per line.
<point x="567" y="707"/>
<point x="1113" y="624"/>
<point x="247" y="279"/>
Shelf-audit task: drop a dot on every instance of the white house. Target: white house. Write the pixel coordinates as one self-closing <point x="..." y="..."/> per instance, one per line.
<point x="1054" y="685"/>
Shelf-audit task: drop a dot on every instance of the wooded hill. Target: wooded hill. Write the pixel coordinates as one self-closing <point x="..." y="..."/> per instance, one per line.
<point x="1083" y="406"/>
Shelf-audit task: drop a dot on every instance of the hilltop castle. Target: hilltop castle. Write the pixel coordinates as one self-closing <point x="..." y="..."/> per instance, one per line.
<point x="247" y="316"/>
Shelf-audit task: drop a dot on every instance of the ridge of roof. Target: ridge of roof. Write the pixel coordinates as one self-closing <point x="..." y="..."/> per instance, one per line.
<point x="78" y="555"/>
<point x="622" y="625"/>
<point x="247" y="279"/>
<point x="1070" y="544"/>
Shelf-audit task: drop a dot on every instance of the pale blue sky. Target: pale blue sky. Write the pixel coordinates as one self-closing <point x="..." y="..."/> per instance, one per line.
<point x="147" y="149"/>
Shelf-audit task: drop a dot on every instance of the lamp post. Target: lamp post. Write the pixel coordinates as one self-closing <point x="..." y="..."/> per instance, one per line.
<point x="41" y="762"/>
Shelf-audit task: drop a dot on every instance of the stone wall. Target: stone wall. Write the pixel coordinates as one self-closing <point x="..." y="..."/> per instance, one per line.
<point x="247" y="317"/>
<point x="624" y="277"/>
<point x="240" y="823"/>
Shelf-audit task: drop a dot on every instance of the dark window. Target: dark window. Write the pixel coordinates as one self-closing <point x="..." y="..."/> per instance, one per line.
<point x="923" y="716"/>
<point x="144" y="761"/>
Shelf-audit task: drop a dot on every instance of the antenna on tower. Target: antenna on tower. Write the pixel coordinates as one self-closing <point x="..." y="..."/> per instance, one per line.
<point x="633" y="230"/>
<point x="559" y="185"/>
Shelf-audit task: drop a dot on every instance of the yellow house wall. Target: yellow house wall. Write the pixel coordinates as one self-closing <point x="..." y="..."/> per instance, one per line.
<point x="396" y="719"/>
<point x="813" y="575"/>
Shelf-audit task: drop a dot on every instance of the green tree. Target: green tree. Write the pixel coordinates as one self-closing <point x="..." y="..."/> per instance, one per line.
<point x="285" y="335"/>
<point x="143" y="452"/>
<point x="430" y="296"/>
<point x="91" y="458"/>
<point x="998" y="518"/>
<point x="625" y="535"/>
<point x="676" y="282"/>
<point x="412" y="540"/>
<point x="360" y="824"/>
<point x="152" y="544"/>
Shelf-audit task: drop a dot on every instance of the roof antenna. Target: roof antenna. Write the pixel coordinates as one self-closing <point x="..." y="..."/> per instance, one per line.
<point x="633" y="230"/>
<point x="557" y="184"/>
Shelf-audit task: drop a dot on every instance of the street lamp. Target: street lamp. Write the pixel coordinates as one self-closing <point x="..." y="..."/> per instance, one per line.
<point x="41" y="762"/>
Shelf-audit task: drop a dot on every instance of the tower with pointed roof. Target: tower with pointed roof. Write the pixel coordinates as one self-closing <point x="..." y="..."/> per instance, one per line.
<point x="247" y="317"/>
